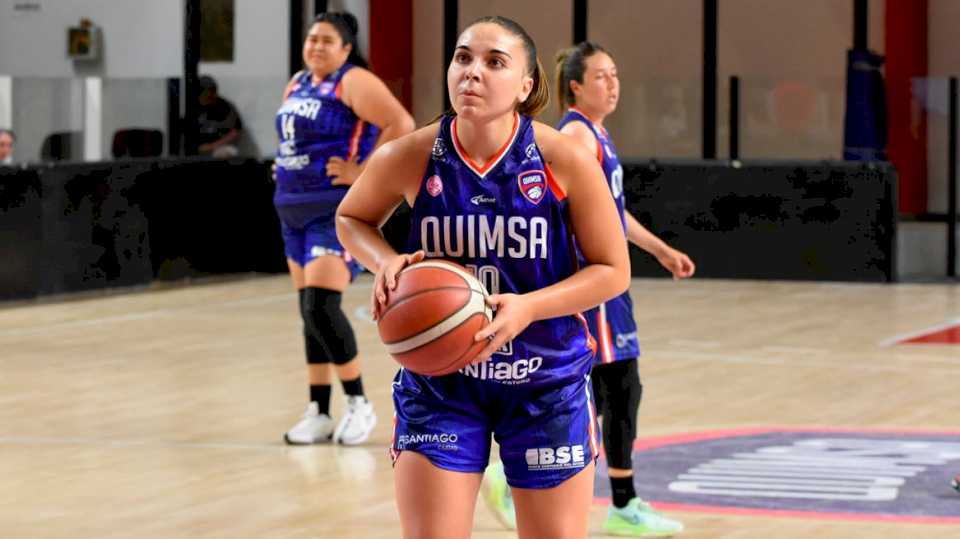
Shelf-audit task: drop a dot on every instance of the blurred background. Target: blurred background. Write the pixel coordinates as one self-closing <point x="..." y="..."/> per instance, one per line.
<point x="818" y="131"/>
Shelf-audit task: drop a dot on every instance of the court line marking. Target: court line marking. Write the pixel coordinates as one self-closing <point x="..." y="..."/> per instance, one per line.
<point x="913" y="334"/>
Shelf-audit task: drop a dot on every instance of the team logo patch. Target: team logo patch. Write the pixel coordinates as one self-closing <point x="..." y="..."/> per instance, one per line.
<point x="809" y="473"/>
<point x="434" y="185"/>
<point x="533" y="185"/>
<point x="326" y="87"/>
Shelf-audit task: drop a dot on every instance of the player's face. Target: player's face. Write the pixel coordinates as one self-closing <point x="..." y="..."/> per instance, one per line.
<point x="324" y="50"/>
<point x="6" y="146"/>
<point x="488" y="75"/>
<point x="600" y="90"/>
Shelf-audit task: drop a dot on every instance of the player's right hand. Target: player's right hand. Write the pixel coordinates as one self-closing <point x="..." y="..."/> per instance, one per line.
<point x="386" y="279"/>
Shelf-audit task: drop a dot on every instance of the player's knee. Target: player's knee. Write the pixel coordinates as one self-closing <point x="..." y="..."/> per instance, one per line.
<point x="327" y="325"/>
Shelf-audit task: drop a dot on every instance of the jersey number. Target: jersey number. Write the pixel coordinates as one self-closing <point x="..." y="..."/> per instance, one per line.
<point x="287" y="126"/>
<point x="489" y="277"/>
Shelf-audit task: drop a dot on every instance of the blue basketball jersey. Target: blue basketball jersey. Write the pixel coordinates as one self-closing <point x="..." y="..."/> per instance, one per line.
<point x="612" y="323"/>
<point x="313" y="124"/>
<point x="508" y="222"/>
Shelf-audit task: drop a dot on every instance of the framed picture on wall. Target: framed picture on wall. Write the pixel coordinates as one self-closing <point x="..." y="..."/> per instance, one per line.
<point x="216" y="30"/>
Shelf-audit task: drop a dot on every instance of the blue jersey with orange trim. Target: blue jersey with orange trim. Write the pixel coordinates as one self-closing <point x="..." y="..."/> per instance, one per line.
<point x="612" y="323"/>
<point x="508" y="222"/>
<point x="314" y="124"/>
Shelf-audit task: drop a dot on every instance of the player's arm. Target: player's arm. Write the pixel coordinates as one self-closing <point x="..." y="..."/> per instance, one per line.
<point x="392" y="174"/>
<point x="674" y="261"/>
<point x="595" y="219"/>
<point x="584" y="135"/>
<point x="372" y="102"/>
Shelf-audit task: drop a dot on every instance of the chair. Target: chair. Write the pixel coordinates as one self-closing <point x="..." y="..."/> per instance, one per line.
<point x="62" y="146"/>
<point x="135" y="142"/>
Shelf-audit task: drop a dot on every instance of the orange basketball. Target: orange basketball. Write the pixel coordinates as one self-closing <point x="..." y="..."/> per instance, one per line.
<point x="431" y="317"/>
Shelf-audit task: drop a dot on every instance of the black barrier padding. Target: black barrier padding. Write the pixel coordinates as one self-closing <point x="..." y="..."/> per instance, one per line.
<point x="20" y="233"/>
<point x="94" y="227"/>
<point x="212" y="217"/>
<point x="769" y="220"/>
<point x="72" y="227"/>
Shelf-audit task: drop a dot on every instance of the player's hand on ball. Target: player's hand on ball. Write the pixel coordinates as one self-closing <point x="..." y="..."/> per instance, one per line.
<point x="386" y="279"/>
<point x="512" y="316"/>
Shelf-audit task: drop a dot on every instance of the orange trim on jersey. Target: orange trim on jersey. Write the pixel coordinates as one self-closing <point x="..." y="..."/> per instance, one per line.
<point x="594" y="446"/>
<point x="465" y="157"/>
<point x="606" y="348"/>
<point x="591" y="342"/>
<point x="338" y="89"/>
<point x="355" y="139"/>
<point x="552" y="183"/>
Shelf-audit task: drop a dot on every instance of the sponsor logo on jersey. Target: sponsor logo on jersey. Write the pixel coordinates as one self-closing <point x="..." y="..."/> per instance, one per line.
<point x="555" y="458"/>
<point x="508" y="372"/>
<point x="482" y="199"/>
<point x="531" y="152"/>
<point x="293" y="162"/>
<point x="533" y="185"/>
<point x="434" y="185"/>
<point x="623" y="339"/>
<point x="326" y="87"/>
<point x="439" y="148"/>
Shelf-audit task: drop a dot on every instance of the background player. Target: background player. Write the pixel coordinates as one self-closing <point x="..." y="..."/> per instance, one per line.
<point x="587" y="83"/>
<point x="333" y="116"/>
<point x="491" y="188"/>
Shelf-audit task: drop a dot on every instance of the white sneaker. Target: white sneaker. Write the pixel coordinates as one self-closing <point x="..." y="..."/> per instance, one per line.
<point x="314" y="428"/>
<point x="357" y="422"/>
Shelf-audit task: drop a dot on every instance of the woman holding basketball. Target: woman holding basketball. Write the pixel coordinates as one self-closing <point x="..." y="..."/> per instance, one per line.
<point x="493" y="190"/>
<point x="334" y="114"/>
<point x="589" y="90"/>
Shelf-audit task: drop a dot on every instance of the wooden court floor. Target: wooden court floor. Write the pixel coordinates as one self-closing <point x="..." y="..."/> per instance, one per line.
<point x="159" y="412"/>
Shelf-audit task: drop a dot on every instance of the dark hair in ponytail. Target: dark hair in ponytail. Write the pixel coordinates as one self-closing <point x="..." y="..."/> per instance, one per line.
<point x="347" y="27"/>
<point x="571" y="63"/>
<point x="540" y="93"/>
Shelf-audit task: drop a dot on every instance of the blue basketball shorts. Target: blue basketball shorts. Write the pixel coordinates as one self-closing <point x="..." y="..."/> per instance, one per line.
<point x="613" y="327"/>
<point x="317" y="237"/>
<point x="547" y="433"/>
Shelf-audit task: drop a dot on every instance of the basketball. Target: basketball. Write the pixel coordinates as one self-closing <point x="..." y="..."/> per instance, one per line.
<point x="429" y="320"/>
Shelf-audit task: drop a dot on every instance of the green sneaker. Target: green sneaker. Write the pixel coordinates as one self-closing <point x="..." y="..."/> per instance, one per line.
<point x="638" y="519"/>
<point x="497" y="494"/>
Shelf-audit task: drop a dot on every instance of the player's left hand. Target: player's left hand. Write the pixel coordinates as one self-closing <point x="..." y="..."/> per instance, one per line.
<point x="677" y="263"/>
<point x="513" y="316"/>
<point x="343" y="172"/>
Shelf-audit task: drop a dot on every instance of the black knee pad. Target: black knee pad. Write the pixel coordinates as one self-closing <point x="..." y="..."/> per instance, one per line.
<point x="619" y="383"/>
<point x="326" y="325"/>
<point x="315" y="351"/>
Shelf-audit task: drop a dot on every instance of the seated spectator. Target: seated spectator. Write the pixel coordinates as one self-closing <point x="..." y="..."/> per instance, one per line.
<point x="7" y="138"/>
<point x="218" y="123"/>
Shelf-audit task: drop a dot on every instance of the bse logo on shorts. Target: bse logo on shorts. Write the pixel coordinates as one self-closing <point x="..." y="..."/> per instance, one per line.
<point x="533" y="185"/>
<point x="550" y="458"/>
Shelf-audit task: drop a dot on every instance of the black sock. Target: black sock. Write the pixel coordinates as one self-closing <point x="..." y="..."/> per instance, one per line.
<point x="320" y="394"/>
<point x="353" y="387"/>
<point x="622" y="488"/>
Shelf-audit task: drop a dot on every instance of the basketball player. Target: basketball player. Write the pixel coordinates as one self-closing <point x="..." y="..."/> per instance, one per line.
<point x="588" y="88"/>
<point x="334" y="114"/>
<point x="493" y="190"/>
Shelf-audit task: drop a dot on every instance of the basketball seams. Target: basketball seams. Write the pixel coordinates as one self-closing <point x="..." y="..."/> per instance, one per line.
<point x="446" y="325"/>
<point x="409" y="297"/>
<point x="460" y="357"/>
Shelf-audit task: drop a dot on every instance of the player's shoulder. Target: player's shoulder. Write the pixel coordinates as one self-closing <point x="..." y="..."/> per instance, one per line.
<point x="556" y="147"/>
<point x="412" y="147"/>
